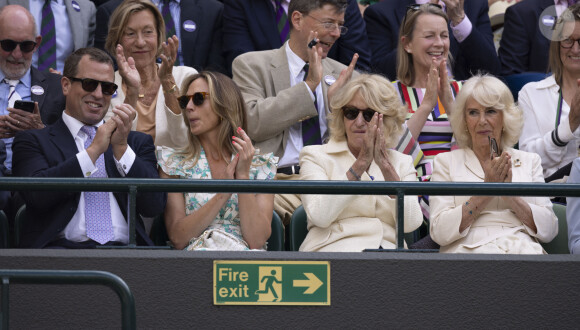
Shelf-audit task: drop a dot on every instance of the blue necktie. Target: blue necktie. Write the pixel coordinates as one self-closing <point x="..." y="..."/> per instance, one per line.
<point x="97" y="206"/>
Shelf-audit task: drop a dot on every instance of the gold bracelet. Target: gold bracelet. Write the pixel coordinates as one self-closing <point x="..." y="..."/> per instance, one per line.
<point x="171" y="90"/>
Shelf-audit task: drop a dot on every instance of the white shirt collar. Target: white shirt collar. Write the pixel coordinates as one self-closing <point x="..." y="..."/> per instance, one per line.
<point x="295" y="63"/>
<point x="74" y="125"/>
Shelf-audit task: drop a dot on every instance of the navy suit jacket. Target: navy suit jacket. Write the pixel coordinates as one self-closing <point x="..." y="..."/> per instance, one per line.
<point x="475" y="53"/>
<point x="250" y="25"/>
<point x="201" y="48"/>
<point x="523" y="48"/>
<point x="51" y="102"/>
<point x="51" y="152"/>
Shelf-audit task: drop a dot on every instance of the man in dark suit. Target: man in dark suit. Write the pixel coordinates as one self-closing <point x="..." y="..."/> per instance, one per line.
<point x="17" y="24"/>
<point x="250" y="25"/>
<point x="471" y="39"/>
<point x="523" y="47"/>
<point x="198" y="25"/>
<point x="80" y="145"/>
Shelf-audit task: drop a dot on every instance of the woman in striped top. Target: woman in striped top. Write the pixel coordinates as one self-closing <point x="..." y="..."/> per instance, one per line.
<point x="424" y="87"/>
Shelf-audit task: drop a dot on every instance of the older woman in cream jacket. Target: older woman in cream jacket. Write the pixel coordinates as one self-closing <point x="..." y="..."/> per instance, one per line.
<point x="366" y="120"/>
<point x="137" y="34"/>
<point x="485" y="110"/>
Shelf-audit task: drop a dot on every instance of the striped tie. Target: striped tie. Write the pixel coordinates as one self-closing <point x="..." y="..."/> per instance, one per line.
<point x="169" y="24"/>
<point x="311" y="126"/>
<point x="12" y="93"/>
<point x="282" y="21"/>
<point x="47" y="49"/>
<point x="97" y="206"/>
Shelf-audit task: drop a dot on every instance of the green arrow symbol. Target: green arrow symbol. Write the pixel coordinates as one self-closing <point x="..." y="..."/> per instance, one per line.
<point x="312" y="283"/>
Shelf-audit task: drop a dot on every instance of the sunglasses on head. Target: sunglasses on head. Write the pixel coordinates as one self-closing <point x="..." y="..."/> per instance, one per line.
<point x="198" y="99"/>
<point x="351" y="113"/>
<point x="415" y="7"/>
<point x="89" y="85"/>
<point x="10" y="45"/>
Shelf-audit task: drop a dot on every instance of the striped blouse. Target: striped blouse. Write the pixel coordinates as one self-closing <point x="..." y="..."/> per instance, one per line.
<point x="436" y="136"/>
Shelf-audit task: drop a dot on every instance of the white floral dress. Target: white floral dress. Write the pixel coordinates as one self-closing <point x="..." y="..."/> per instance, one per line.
<point x="171" y="162"/>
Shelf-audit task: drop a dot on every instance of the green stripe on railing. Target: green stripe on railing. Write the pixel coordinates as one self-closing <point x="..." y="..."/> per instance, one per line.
<point x="290" y="187"/>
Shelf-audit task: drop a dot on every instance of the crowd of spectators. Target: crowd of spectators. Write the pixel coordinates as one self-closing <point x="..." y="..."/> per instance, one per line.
<point x="290" y="90"/>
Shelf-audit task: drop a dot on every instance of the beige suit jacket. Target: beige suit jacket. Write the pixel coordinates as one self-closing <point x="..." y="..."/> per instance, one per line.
<point x="351" y="223"/>
<point x="274" y="106"/>
<point x="497" y="229"/>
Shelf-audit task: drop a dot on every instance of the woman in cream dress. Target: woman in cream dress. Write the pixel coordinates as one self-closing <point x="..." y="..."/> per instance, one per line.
<point x="365" y="122"/>
<point x="485" y="110"/>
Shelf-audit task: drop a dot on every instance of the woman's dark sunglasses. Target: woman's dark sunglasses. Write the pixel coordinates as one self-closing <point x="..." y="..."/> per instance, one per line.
<point x="89" y="85"/>
<point x="351" y="113"/>
<point x="10" y="45"/>
<point x="198" y="99"/>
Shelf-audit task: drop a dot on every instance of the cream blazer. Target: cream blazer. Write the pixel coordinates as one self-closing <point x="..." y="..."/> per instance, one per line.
<point x="170" y="129"/>
<point x="497" y="229"/>
<point x="351" y="223"/>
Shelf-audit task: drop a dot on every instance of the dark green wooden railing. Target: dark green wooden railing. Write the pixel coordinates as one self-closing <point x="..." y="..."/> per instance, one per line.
<point x="113" y="281"/>
<point x="131" y="186"/>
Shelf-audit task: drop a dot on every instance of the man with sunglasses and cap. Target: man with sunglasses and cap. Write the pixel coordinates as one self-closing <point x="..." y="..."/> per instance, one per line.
<point x="80" y="144"/>
<point x="287" y="90"/>
<point x="471" y="38"/>
<point x="18" y="42"/>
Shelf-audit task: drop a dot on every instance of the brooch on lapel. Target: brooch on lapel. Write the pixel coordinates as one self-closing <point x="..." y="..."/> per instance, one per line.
<point x="517" y="162"/>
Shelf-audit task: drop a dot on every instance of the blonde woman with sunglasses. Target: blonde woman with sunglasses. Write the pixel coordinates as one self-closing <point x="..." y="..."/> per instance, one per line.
<point x="365" y="123"/>
<point x="214" y="113"/>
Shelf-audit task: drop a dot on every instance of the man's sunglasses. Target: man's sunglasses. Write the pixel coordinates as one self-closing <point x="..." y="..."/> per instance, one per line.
<point x="10" y="45"/>
<point x="351" y="113"/>
<point x="198" y="99"/>
<point x="89" y="85"/>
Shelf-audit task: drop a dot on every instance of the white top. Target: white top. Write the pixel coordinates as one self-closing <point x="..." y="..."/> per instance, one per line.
<point x="539" y="101"/>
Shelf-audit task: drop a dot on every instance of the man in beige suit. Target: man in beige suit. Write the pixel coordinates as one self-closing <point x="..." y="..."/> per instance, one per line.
<point x="281" y="91"/>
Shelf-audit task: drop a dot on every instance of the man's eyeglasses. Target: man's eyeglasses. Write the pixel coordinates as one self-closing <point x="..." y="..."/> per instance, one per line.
<point x="197" y="98"/>
<point x="89" y="85"/>
<point x="330" y="26"/>
<point x="351" y="113"/>
<point x="10" y="45"/>
<point x="415" y="7"/>
<point x="569" y="42"/>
